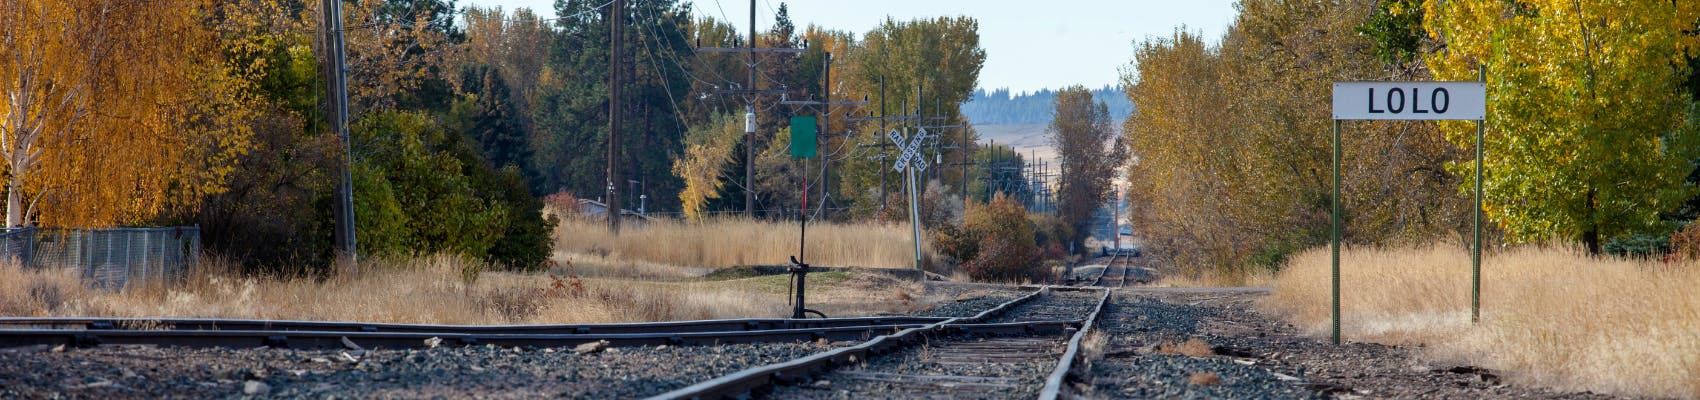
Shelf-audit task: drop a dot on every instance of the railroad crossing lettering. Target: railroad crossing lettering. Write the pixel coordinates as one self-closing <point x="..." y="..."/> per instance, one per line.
<point x="910" y="150"/>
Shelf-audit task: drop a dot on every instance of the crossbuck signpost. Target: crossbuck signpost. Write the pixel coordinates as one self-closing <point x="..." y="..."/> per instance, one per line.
<point x="1428" y="101"/>
<point x="910" y="162"/>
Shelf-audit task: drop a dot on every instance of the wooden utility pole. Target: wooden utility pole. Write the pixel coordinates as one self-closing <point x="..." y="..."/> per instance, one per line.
<point x="883" y="143"/>
<point x="880" y="137"/>
<point x="336" y="76"/>
<point x="616" y="81"/>
<point x="825" y="111"/>
<point x="750" y="124"/>
<point x="967" y="160"/>
<point x="1116" y="219"/>
<point x="749" y="90"/>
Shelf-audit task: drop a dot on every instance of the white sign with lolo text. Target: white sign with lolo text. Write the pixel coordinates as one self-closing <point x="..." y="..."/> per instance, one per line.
<point x="1410" y="100"/>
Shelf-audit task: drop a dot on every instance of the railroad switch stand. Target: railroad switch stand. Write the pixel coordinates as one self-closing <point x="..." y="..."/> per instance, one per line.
<point x="799" y="275"/>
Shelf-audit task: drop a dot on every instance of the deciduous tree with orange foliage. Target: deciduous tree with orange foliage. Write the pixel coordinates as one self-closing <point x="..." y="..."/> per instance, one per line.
<point x="112" y="111"/>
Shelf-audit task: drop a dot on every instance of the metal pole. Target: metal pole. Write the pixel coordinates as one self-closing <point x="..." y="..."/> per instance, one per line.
<point x="1476" y="251"/>
<point x="338" y="80"/>
<point x="800" y="271"/>
<point x="1336" y="241"/>
<point x="616" y="23"/>
<point x="914" y="214"/>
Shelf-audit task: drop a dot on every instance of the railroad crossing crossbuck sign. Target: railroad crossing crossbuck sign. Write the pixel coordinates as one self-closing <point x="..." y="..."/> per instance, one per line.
<point x="911" y="150"/>
<point x="910" y="161"/>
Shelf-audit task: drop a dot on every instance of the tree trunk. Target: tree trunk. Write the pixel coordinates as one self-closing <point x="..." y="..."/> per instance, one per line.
<point x="1591" y="236"/>
<point x="14" y="200"/>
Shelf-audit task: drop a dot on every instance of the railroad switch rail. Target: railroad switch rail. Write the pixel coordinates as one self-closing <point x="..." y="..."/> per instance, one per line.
<point x="741" y="384"/>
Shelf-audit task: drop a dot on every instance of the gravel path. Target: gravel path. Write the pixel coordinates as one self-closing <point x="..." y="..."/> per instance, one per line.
<point x="1253" y="356"/>
<point x="467" y="372"/>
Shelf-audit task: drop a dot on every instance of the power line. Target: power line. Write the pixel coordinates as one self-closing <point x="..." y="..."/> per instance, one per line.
<point x="463" y="13"/>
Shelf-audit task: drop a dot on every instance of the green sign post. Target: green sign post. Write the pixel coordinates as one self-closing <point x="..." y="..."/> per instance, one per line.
<point x="1405" y="101"/>
<point x="803" y="137"/>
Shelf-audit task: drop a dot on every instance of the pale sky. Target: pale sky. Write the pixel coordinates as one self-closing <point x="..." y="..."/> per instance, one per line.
<point x="1029" y="44"/>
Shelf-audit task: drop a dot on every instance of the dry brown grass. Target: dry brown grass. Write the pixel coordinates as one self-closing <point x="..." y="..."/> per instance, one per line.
<point x="431" y="290"/>
<point x="1553" y="317"/>
<point x="1214" y="278"/>
<point x="1191" y="348"/>
<point x="1205" y="378"/>
<point x="736" y="242"/>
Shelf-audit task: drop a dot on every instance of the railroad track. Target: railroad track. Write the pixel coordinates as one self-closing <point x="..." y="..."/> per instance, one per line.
<point x="1125" y="272"/>
<point x="90" y="332"/>
<point x="209" y="324"/>
<point x="936" y="360"/>
<point x="1046" y="324"/>
<point x="1121" y="280"/>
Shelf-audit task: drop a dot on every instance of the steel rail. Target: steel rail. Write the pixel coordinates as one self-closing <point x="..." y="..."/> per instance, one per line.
<point x="1053" y="384"/>
<point x="740" y="383"/>
<point x="1096" y="282"/>
<point x="1127" y="266"/>
<point x="392" y="340"/>
<point x="719" y="325"/>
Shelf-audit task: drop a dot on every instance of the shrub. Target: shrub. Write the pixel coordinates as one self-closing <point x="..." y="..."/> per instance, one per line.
<point x="1685" y="243"/>
<point x="1051" y="234"/>
<point x="561" y="203"/>
<point x="937" y="207"/>
<point x="1006" y="250"/>
<point x="426" y="189"/>
<point x="957" y="243"/>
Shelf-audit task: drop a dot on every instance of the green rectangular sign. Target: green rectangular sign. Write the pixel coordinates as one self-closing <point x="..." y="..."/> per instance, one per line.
<point x="803" y="136"/>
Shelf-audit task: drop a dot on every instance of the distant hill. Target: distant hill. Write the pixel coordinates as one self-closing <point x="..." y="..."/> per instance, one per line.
<point x="999" y="107"/>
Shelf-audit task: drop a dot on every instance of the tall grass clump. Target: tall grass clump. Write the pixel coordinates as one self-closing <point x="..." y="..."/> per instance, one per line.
<point x="1550" y="316"/>
<point x="725" y="242"/>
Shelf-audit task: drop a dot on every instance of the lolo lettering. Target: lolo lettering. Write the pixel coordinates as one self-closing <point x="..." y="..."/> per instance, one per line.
<point x="1398" y="100"/>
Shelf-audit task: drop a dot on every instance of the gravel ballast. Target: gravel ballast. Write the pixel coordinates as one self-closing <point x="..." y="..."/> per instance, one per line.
<point x="1254" y="356"/>
<point x="968" y="300"/>
<point x="465" y="372"/>
<point x="960" y="366"/>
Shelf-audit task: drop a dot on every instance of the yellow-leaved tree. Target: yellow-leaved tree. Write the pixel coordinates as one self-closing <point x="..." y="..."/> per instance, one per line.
<point x="1589" y="135"/>
<point x="708" y="151"/>
<point x="112" y="111"/>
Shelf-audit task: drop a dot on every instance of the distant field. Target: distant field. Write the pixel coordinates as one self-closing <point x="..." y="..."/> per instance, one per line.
<point x="1555" y="317"/>
<point x="1027" y="139"/>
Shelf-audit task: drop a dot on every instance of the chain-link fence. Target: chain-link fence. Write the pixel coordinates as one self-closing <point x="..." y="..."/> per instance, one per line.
<point x="107" y="258"/>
